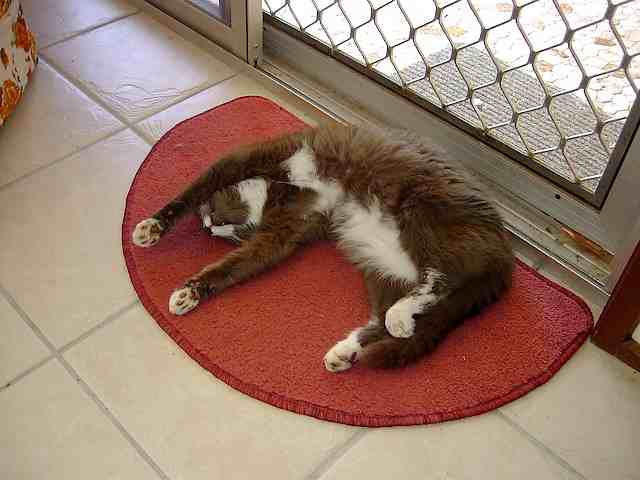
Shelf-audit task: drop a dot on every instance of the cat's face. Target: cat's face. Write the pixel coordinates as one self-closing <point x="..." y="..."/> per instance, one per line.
<point x="226" y="215"/>
<point x="228" y="208"/>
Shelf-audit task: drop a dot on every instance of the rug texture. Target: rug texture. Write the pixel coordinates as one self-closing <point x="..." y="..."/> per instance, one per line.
<point x="267" y="337"/>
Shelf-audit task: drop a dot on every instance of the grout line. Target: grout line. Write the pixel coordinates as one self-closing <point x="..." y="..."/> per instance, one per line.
<point x="96" y="99"/>
<point x="143" y="135"/>
<point x="558" y="459"/>
<point x="36" y="330"/>
<point x="151" y="141"/>
<point x="89" y="29"/>
<point x="140" y="133"/>
<point x="126" y="124"/>
<point x="20" y="376"/>
<point x="132" y="441"/>
<point x="84" y="385"/>
<point x="336" y="454"/>
<point x="64" y="157"/>
<point x="110" y="318"/>
<point x="191" y="94"/>
<point x="83" y="88"/>
<point x="133" y="125"/>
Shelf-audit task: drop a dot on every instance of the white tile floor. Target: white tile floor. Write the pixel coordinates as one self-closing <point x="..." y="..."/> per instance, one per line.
<point x="92" y="388"/>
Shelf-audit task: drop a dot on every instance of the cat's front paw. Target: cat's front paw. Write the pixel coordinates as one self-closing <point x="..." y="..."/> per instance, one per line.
<point x="228" y="232"/>
<point x="147" y="233"/>
<point x="342" y="356"/>
<point x="399" y="321"/>
<point x="183" y="300"/>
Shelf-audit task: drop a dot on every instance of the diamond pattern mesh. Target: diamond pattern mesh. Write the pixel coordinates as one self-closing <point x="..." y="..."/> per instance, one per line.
<point x="553" y="80"/>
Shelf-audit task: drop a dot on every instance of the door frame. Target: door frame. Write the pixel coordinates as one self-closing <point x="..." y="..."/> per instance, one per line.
<point x="621" y="316"/>
<point x="239" y="31"/>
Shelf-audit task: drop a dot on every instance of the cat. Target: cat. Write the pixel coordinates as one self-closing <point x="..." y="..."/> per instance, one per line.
<point x="431" y="247"/>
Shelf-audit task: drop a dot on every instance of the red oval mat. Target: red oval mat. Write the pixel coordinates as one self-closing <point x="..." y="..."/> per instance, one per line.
<point x="268" y="336"/>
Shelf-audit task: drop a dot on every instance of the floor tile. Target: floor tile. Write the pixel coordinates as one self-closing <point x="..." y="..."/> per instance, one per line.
<point x="53" y="119"/>
<point x="61" y="256"/>
<point x="556" y="272"/>
<point x="193" y="425"/>
<point x="239" y="86"/>
<point x="143" y="67"/>
<point x="55" y="20"/>
<point x="484" y="447"/>
<point x="19" y="347"/>
<point x="588" y="414"/>
<point x="51" y="429"/>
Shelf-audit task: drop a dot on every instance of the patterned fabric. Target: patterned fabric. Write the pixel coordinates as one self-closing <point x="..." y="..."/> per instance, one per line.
<point x="18" y="56"/>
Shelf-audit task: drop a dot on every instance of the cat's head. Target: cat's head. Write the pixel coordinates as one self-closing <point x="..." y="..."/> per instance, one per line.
<point x="228" y="208"/>
<point x="235" y="212"/>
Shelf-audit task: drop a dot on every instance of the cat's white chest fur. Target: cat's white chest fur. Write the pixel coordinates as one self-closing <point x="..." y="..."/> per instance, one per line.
<point x="303" y="174"/>
<point x="253" y="192"/>
<point x="371" y="238"/>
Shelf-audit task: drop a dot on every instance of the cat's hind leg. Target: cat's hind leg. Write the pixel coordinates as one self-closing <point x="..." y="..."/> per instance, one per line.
<point x="344" y="354"/>
<point x="382" y="294"/>
<point x="400" y="317"/>
<point x="431" y="325"/>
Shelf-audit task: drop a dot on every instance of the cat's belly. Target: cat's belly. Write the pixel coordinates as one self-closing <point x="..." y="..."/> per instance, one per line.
<point x="372" y="240"/>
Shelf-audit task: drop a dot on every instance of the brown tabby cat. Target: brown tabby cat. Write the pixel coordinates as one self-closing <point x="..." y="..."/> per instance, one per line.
<point x="431" y="247"/>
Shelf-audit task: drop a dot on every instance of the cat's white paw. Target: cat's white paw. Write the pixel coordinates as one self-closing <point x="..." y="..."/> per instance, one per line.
<point x="224" y="231"/>
<point x="399" y="320"/>
<point x="183" y="300"/>
<point x="147" y="232"/>
<point x="343" y="355"/>
<point x="228" y="232"/>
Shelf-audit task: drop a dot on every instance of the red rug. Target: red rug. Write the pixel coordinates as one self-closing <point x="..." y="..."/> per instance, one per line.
<point x="268" y="336"/>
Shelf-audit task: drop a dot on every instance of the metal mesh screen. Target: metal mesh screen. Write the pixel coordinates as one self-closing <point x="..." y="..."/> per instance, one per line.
<point x="552" y="82"/>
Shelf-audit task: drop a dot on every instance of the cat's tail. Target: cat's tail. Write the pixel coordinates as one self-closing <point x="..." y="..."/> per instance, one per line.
<point x="432" y="326"/>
